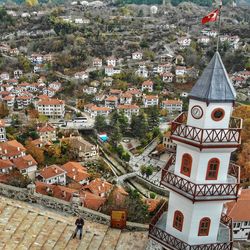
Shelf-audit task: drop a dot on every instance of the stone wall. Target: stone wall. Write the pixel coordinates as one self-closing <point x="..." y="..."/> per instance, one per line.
<point x="72" y="208"/>
<point x="154" y="187"/>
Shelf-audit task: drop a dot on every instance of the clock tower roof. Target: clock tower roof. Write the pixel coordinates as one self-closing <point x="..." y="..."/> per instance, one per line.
<point x="214" y="84"/>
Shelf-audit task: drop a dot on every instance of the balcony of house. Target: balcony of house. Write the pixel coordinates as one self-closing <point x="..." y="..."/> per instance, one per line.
<point x="206" y="138"/>
<point x="157" y="231"/>
<point x="202" y="192"/>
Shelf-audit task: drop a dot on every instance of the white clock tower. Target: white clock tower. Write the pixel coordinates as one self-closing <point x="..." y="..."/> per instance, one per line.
<point x="200" y="176"/>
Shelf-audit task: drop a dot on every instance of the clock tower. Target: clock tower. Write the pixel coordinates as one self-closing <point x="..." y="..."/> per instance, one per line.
<point x="200" y="176"/>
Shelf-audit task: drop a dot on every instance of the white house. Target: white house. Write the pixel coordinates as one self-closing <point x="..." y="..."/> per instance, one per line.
<point x="18" y="73"/>
<point x="94" y="110"/>
<point x="53" y="108"/>
<point x="147" y="86"/>
<point x="81" y="75"/>
<point x="5" y="76"/>
<point x="129" y="110"/>
<point x="184" y="41"/>
<point x="90" y="90"/>
<point x="172" y="105"/>
<point x="111" y="61"/>
<point x="167" y="77"/>
<point x="2" y="131"/>
<point x="97" y="62"/>
<point x="111" y="101"/>
<point x="126" y="98"/>
<point x="204" y="40"/>
<point x="137" y="55"/>
<point x="110" y="70"/>
<point x="180" y="70"/>
<point x="150" y="100"/>
<point x="239" y="212"/>
<point x="142" y="71"/>
<point x="52" y="175"/>
<point x="26" y="165"/>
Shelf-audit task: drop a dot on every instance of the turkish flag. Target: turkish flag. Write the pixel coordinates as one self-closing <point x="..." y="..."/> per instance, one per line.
<point x="211" y="17"/>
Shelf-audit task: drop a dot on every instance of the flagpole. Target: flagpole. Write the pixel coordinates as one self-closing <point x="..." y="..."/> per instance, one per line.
<point x="219" y="26"/>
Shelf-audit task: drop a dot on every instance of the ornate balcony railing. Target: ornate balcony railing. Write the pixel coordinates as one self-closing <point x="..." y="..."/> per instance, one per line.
<point x="169" y="241"/>
<point x="206" y="137"/>
<point x="196" y="192"/>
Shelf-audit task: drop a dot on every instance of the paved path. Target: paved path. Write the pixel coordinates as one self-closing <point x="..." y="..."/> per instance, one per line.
<point x="27" y="227"/>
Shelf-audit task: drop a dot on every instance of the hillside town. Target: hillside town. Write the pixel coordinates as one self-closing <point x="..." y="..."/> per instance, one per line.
<point x="106" y="107"/>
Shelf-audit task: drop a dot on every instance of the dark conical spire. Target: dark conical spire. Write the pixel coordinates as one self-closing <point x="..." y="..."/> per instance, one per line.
<point x="214" y="84"/>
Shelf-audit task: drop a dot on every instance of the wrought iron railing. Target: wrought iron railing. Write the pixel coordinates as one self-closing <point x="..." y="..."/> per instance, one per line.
<point x="171" y="242"/>
<point x="195" y="191"/>
<point x="180" y="129"/>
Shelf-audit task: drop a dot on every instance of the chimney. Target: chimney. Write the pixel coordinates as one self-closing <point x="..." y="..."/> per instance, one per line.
<point x="5" y="151"/>
<point x="73" y="169"/>
<point x="29" y="163"/>
<point x="99" y="188"/>
<point x="74" y="177"/>
<point x="56" y="170"/>
<point x="18" y="148"/>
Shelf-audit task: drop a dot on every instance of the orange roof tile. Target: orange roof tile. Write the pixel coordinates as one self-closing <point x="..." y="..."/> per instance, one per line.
<point x="172" y="102"/>
<point x="24" y="162"/>
<point x="239" y="211"/>
<point x="5" y="164"/>
<point x="51" y="171"/>
<point x="98" y="186"/>
<point x="46" y="128"/>
<point x="50" y="102"/>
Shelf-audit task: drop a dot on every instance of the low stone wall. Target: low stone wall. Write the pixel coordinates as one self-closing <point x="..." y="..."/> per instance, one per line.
<point x="151" y="186"/>
<point x="29" y="195"/>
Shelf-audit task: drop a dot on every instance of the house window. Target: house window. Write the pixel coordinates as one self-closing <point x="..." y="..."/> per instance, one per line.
<point x="204" y="227"/>
<point x="186" y="164"/>
<point x="212" y="169"/>
<point x="178" y="220"/>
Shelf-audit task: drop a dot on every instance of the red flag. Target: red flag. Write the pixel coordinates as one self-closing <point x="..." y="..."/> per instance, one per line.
<point x="211" y="17"/>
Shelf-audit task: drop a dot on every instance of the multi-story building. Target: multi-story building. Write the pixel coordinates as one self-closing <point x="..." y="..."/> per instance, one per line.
<point x="137" y="55"/>
<point x="111" y="102"/>
<point x="200" y="176"/>
<point x="52" y="175"/>
<point x="47" y="132"/>
<point x="129" y="110"/>
<point x="53" y="108"/>
<point x="147" y="86"/>
<point x="150" y="100"/>
<point x="2" y="131"/>
<point x="172" y="105"/>
<point x="239" y="212"/>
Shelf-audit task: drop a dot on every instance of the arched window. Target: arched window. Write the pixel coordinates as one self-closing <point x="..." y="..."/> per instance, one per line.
<point x="186" y="164"/>
<point x="204" y="227"/>
<point x="178" y="220"/>
<point x="212" y="169"/>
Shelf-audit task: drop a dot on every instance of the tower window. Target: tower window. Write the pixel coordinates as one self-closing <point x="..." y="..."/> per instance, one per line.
<point x="212" y="169"/>
<point x="178" y="220"/>
<point x="218" y="114"/>
<point x="204" y="227"/>
<point x="186" y="164"/>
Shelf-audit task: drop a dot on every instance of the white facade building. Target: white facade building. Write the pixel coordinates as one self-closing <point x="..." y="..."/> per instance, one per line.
<point x="200" y="177"/>
<point x="53" y="108"/>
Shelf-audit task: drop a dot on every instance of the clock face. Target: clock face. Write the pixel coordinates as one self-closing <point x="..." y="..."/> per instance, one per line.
<point x="196" y="112"/>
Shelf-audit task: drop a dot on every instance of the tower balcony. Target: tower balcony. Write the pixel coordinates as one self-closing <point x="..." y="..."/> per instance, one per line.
<point x="157" y="231"/>
<point x="206" y="138"/>
<point x="202" y="192"/>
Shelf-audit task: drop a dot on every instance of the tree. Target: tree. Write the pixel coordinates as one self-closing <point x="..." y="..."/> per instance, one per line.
<point x="244" y="160"/>
<point x="143" y="169"/>
<point x="139" y="125"/>
<point x="37" y="153"/>
<point x="149" y="171"/>
<point x="17" y="179"/>
<point x="123" y="120"/>
<point x="3" y="110"/>
<point x="100" y="123"/>
<point x="116" y="135"/>
<point x="24" y="63"/>
<point x="153" y="116"/>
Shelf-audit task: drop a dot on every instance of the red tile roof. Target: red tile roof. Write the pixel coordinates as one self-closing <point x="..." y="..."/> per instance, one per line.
<point x="50" y="102"/>
<point x="240" y="210"/>
<point x="75" y="171"/>
<point x="11" y="148"/>
<point x="51" y="171"/>
<point x="24" y="162"/>
<point x="5" y="164"/>
<point x="46" y="128"/>
<point x="98" y="186"/>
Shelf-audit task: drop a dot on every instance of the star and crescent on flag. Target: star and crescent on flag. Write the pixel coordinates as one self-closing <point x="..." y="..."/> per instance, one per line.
<point x="211" y="17"/>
